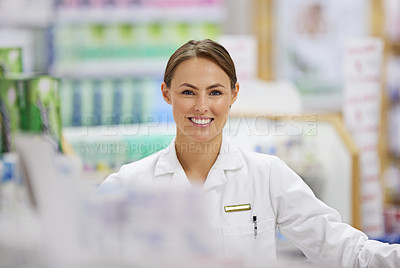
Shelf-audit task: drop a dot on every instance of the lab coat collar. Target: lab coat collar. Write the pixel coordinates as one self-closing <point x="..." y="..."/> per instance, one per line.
<point x="229" y="158"/>
<point x="168" y="161"/>
<point x="229" y="155"/>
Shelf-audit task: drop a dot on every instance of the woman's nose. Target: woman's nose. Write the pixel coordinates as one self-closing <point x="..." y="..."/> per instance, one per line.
<point x="201" y="104"/>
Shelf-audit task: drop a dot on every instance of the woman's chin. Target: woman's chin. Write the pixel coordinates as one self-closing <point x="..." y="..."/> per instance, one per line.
<point x="203" y="137"/>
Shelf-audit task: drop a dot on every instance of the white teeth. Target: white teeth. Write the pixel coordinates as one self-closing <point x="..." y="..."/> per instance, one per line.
<point x="201" y="121"/>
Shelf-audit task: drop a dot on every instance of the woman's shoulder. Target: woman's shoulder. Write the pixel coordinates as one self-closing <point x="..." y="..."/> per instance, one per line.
<point x="134" y="171"/>
<point x="257" y="158"/>
<point x="262" y="163"/>
<point x="279" y="174"/>
<point x="146" y="164"/>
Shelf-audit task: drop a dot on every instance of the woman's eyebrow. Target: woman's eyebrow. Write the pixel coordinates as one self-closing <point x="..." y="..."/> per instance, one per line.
<point x="209" y="87"/>
<point x="188" y="85"/>
<point x="215" y="85"/>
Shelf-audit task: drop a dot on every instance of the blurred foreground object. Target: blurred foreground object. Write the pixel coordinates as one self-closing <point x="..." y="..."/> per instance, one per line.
<point x="82" y="227"/>
<point x="28" y="103"/>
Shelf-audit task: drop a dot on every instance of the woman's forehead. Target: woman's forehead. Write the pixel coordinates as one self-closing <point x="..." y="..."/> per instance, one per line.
<point x="200" y="68"/>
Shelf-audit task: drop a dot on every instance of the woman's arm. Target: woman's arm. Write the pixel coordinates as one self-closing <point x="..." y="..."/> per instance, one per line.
<point x="317" y="229"/>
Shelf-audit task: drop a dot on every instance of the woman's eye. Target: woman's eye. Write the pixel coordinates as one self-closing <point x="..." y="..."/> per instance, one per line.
<point x="187" y="92"/>
<point x="216" y="92"/>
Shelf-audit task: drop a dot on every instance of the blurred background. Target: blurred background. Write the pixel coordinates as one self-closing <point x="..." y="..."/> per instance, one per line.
<point x="320" y="88"/>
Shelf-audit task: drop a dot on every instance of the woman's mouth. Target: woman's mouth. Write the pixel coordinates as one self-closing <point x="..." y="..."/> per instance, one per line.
<point x="201" y="121"/>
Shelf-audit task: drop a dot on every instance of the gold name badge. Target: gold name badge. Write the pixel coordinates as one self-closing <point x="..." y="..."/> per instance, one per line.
<point x="235" y="208"/>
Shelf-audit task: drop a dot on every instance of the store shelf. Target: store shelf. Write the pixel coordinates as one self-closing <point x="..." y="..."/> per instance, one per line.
<point x="25" y="18"/>
<point x="43" y="17"/>
<point x="143" y="14"/>
<point x="110" y="68"/>
<point x="23" y="21"/>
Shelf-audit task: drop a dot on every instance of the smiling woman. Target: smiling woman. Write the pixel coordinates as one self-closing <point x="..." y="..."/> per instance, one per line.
<point x="200" y="95"/>
<point x="248" y="195"/>
<point x="201" y="85"/>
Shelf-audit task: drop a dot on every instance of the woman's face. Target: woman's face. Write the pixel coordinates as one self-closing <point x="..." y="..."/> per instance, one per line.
<point x="200" y="95"/>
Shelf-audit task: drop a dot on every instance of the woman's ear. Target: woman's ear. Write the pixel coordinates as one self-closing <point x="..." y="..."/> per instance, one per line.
<point x="165" y="93"/>
<point x="235" y="93"/>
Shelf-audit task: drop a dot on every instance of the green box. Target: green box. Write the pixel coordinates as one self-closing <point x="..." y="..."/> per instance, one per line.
<point x="1" y="136"/>
<point x="10" y="61"/>
<point x="29" y="104"/>
<point x="10" y="110"/>
<point x="41" y="112"/>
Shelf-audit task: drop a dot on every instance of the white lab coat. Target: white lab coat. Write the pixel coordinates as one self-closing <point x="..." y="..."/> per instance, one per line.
<point x="278" y="197"/>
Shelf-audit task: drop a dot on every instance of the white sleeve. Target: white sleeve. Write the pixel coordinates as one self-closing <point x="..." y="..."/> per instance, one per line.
<point x="377" y="254"/>
<point x="317" y="229"/>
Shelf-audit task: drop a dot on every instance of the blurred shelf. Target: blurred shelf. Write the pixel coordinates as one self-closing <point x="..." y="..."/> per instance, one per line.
<point x="26" y="18"/>
<point x="111" y="68"/>
<point x="40" y="17"/>
<point x="144" y="14"/>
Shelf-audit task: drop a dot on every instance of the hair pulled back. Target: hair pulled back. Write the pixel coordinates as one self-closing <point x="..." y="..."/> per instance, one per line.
<point x="207" y="49"/>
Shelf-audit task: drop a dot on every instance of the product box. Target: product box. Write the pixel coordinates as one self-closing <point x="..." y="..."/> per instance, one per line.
<point x="79" y="103"/>
<point x="131" y="101"/>
<point x="154" y="47"/>
<point x="89" y="118"/>
<point x="10" y="97"/>
<point x="97" y="102"/>
<point x="40" y="107"/>
<point x="1" y="137"/>
<point x="94" y="42"/>
<point x="124" y="41"/>
<point x="101" y="101"/>
<point x="118" y="96"/>
<point x="10" y="61"/>
<point x="139" y="102"/>
<point x="67" y="95"/>
<point x="65" y="52"/>
<point x="76" y="103"/>
<point x="106" y="113"/>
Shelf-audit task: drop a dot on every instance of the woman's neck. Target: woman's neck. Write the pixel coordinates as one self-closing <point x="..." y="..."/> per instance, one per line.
<point x="197" y="158"/>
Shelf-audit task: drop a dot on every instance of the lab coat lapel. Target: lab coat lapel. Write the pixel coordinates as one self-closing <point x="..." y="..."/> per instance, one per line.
<point x="168" y="170"/>
<point x="229" y="159"/>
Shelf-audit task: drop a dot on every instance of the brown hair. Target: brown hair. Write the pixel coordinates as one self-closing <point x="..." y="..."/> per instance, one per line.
<point x="203" y="49"/>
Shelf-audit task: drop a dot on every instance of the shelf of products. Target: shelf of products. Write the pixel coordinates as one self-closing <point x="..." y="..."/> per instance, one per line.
<point x="91" y="102"/>
<point x="386" y="14"/>
<point x="119" y="49"/>
<point x="138" y="14"/>
<point x="111" y="55"/>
